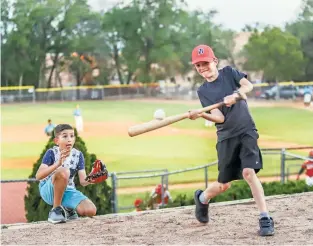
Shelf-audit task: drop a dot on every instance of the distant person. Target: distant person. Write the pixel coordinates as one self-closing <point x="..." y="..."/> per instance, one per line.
<point x="307" y="96"/>
<point x="138" y="203"/>
<point x="156" y="197"/>
<point x="49" y="128"/>
<point x="307" y="166"/>
<point x="78" y="119"/>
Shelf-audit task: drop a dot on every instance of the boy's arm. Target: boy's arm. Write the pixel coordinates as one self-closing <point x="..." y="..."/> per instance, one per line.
<point x="49" y="164"/>
<point x="81" y="171"/>
<point x="44" y="169"/>
<point x="245" y="87"/>
<point x="215" y="116"/>
<point x="82" y="177"/>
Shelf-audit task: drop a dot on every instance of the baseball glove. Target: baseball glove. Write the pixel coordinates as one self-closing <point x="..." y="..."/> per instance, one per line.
<point x="98" y="174"/>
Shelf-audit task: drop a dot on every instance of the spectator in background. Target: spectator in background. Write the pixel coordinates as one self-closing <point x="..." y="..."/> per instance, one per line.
<point x="307" y="95"/>
<point x="307" y="166"/>
<point x="78" y="119"/>
<point x="49" y="128"/>
<point x="156" y="197"/>
<point x="138" y="203"/>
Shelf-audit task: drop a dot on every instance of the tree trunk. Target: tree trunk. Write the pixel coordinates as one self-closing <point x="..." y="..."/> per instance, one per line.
<point x="130" y="74"/>
<point x="55" y="60"/>
<point x="78" y="83"/>
<point x="117" y="64"/>
<point x="42" y="77"/>
<point x="147" y="66"/>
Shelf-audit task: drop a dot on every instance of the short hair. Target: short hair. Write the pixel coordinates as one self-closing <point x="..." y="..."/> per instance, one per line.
<point x="61" y="127"/>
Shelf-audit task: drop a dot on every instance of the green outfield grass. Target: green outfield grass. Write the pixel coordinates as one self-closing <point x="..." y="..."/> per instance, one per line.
<point x="122" y="153"/>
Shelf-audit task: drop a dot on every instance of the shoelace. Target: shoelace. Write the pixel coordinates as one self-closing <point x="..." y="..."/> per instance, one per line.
<point x="265" y="222"/>
<point x="59" y="210"/>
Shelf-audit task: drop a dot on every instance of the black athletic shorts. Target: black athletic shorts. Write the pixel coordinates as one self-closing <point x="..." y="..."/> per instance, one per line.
<point x="237" y="153"/>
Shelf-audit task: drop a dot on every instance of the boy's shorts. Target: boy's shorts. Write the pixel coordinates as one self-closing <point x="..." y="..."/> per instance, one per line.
<point x="237" y="153"/>
<point x="71" y="197"/>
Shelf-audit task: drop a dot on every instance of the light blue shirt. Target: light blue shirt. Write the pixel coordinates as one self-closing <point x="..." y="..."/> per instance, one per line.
<point x="77" y="112"/>
<point x="49" y="128"/>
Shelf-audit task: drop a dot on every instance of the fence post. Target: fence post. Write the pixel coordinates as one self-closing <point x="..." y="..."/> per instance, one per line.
<point x="114" y="193"/>
<point x="282" y="165"/>
<point x="166" y="179"/>
<point x="206" y="176"/>
<point x="162" y="190"/>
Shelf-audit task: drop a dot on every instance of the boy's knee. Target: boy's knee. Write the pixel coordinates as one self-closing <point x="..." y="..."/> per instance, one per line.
<point x="87" y="208"/>
<point x="91" y="211"/>
<point x="248" y="173"/>
<point x="62" y="173"/>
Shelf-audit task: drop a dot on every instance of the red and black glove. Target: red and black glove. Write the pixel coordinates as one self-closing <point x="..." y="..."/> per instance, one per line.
<point x="98" y="174"/>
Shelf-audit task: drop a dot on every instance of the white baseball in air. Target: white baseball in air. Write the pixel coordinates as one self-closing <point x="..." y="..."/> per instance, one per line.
<point x="159" y="114"/>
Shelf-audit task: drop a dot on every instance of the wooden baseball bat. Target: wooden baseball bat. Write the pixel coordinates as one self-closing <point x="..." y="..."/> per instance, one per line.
<point x="153" y="125"/>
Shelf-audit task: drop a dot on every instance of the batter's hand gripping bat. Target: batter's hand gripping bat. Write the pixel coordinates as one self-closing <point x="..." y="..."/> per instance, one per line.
<point x="156" y="124"/>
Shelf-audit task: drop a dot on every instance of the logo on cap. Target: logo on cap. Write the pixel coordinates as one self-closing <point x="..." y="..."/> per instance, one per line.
<point x="200" y="51"/>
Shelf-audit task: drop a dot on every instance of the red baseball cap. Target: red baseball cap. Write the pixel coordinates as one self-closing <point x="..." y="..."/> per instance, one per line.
<point x="202" y="53"/>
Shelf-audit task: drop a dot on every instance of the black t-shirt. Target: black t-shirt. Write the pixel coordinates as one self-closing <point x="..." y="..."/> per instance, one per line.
<point x="237" y="117"/>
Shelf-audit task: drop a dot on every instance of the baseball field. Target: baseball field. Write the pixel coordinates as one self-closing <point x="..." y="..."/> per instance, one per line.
<point x="182" y="145"/>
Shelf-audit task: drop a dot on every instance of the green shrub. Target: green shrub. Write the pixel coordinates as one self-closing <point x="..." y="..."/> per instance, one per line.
<point x="99" y="194"/>
<point x="241" y="190"/>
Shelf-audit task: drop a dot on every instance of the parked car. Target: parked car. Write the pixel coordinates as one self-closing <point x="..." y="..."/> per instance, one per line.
<point x="286" y="92"/>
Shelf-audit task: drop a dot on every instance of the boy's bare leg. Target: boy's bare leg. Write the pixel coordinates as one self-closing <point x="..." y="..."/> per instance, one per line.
<point x="60" y="181"/>
<point x="86" y="208"/>
<point x="214" y="189"/>
<point x="202" y="199"/>
<point x="256" y="188"/>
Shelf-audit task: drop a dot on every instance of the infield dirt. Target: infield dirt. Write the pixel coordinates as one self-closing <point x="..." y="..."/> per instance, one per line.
<point x="232" y="223"/>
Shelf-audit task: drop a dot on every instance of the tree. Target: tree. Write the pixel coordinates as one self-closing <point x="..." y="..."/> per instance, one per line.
<point x="278" y="54"/>
<point x="302" y="29"/>
<point x="99" y="194"/>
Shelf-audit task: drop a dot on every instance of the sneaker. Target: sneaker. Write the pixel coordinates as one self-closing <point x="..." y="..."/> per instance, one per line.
<point x="71" y="214"/>
<point x="202" y="210"/>
<point x="57" y="215"/>
<point x="266" y="226"/>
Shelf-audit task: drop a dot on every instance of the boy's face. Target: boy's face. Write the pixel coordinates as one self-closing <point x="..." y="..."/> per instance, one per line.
<point x="65" y="139"/>
<point x="207" y="70"/>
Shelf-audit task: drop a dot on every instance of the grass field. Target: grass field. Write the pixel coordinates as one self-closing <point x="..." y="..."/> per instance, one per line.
<point x="23" y="139"/>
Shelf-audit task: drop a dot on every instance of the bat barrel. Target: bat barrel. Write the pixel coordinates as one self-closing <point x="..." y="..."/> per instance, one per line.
<point x="155" y="124"/>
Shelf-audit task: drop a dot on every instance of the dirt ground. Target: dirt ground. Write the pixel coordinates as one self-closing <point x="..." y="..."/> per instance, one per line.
<point x="177" y="226"/>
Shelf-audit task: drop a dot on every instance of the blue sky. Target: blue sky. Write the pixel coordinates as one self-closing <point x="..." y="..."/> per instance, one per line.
<point x="234" y="14"/>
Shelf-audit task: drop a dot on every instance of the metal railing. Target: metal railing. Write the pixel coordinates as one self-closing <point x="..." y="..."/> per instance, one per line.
<point x="164" y="180"/>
